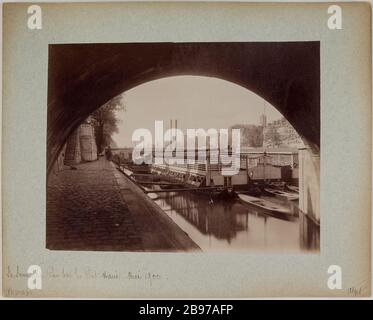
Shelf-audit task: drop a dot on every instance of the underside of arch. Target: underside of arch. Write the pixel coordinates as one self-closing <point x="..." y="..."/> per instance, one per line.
<point x="82" y="77"/>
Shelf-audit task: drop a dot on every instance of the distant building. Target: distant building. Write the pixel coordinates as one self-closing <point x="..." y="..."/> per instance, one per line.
<point x="81" y="145"/>
<point x="282" y="161"/>
<point x="285" y="135"/>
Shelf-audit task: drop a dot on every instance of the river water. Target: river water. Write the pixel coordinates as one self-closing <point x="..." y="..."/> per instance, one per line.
<point x="226" y="226"/>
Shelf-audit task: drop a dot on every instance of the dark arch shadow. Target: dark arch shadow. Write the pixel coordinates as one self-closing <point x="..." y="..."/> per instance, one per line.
<point x="82" y="77"/>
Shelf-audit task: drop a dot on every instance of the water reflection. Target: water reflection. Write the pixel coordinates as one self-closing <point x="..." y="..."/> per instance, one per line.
<point x="232" y="226"/>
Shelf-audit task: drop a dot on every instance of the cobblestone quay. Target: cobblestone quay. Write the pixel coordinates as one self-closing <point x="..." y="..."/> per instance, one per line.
<point x="95" y="207"/>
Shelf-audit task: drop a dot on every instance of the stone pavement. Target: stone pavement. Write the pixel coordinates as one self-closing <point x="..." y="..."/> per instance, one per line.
<point x="94" y="207"/>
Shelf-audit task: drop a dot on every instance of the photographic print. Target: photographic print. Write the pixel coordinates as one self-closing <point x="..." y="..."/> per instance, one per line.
<point x="186" y="150"/>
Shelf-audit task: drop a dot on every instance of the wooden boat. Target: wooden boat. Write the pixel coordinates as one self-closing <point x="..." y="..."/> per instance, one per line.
<point x="282" y="194"/>
<point x="268" y="206"/>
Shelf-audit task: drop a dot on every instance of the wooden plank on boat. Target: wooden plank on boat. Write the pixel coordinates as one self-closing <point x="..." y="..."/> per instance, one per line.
<point x="263" y="204"/>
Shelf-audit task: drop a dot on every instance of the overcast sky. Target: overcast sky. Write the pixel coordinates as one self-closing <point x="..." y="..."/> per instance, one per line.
<point x="196" y="102"/>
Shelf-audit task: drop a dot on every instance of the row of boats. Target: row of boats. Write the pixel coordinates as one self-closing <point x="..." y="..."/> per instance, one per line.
<point x="275" y="198"/>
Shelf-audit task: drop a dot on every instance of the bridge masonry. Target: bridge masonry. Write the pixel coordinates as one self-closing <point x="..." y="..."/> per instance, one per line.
<point x="97" y="208"/>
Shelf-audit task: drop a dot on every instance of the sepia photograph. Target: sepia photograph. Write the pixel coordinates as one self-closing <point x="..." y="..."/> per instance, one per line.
<point x="207" y="147"/>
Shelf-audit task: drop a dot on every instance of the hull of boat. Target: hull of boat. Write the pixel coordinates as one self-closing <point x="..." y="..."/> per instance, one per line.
<point x="293" y="188"/>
